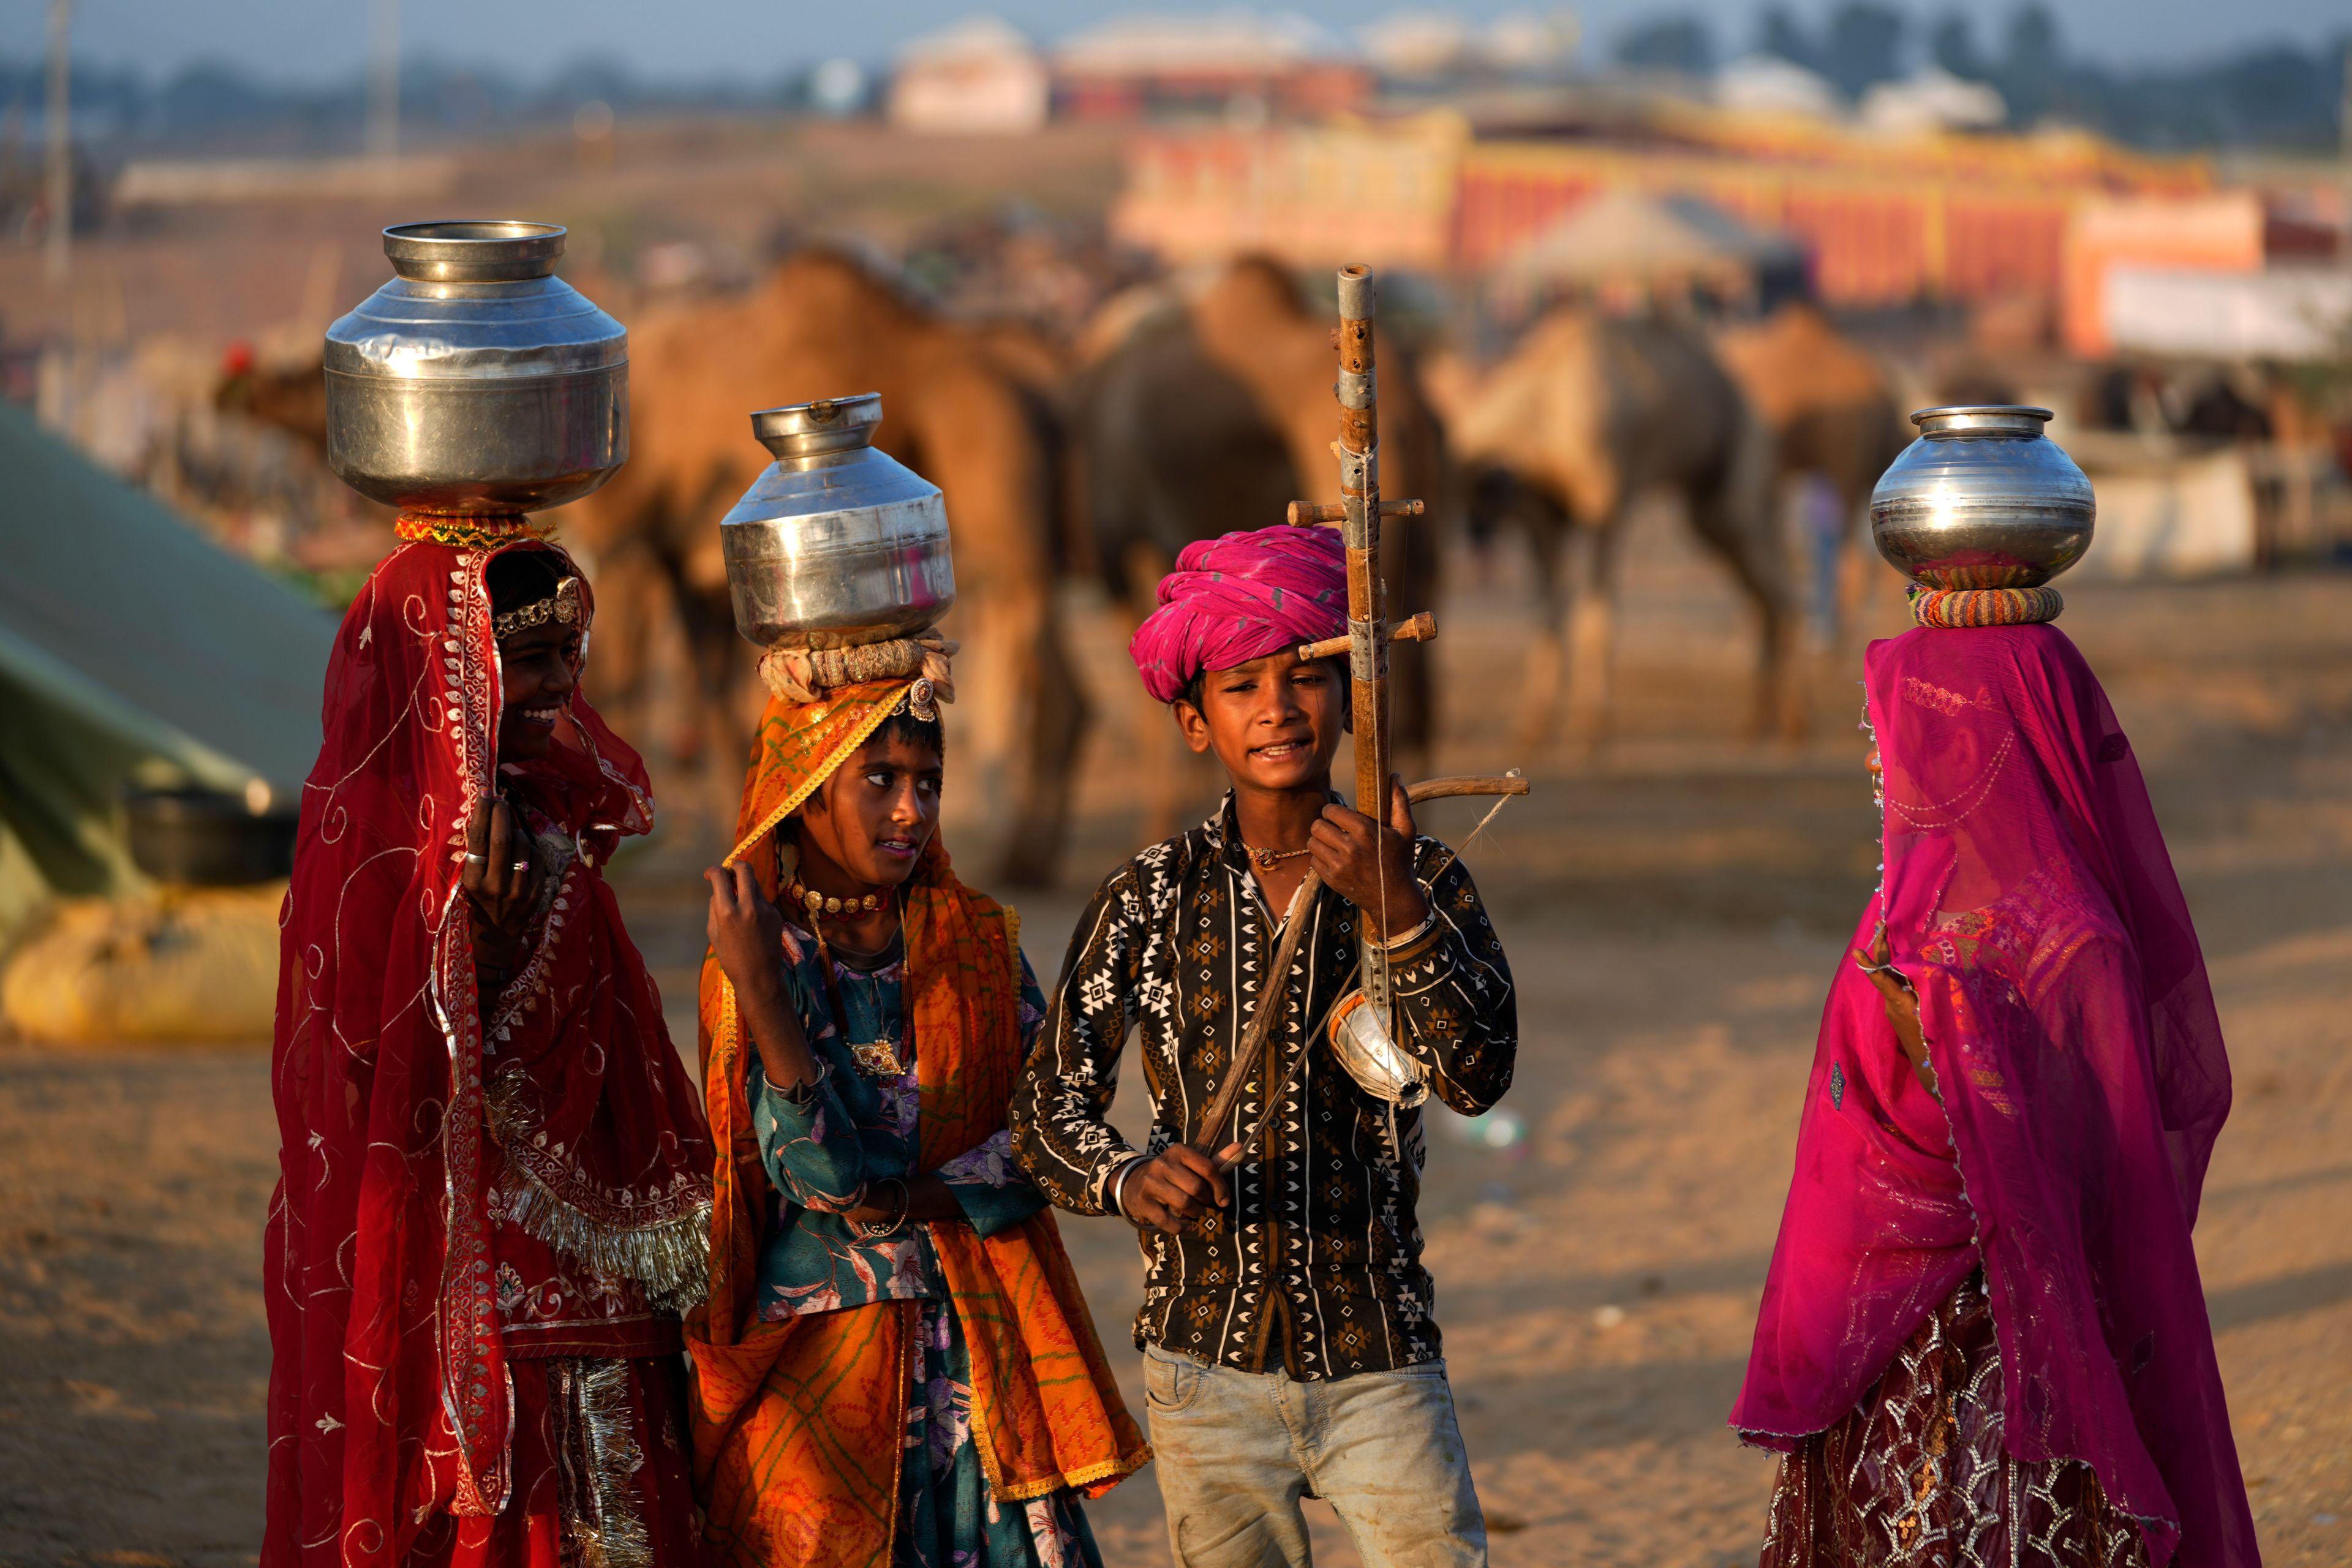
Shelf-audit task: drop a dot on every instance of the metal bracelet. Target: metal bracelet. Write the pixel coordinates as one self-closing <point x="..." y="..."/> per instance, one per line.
<point x="1118" y="1185"/>
<point x="875" y="1231"/>
<point x="802" y="1095"/>
<point x="1428" y="922"/>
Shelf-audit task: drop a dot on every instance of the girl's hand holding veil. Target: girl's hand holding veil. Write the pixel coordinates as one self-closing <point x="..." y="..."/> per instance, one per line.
<point x="1902" y="1007"/>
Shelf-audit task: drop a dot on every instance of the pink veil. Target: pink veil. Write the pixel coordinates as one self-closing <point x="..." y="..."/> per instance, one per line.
<point x="2029" y="897"/>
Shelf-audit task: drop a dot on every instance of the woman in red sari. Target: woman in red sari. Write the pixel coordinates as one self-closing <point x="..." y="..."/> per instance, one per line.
<point x="495" y="1194"/>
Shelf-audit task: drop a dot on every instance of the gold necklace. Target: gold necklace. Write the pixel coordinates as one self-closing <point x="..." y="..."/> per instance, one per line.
<point x="875" y="1058"/>
<point x="1267" y="859"/>
<point x="818" y="903"/>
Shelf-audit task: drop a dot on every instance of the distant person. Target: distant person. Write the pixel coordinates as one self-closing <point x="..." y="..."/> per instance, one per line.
<point x="1983" y="1339"/>
<point x="1288" y="1340"/>
<point x="896" y="1365"/>
<point x="495" y="1182"/>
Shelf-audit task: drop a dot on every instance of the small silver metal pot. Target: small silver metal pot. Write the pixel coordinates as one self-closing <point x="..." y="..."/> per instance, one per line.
<point x="476" y="381"/>
<point x="835" y="545"/>
<point x="1983" y="499"/>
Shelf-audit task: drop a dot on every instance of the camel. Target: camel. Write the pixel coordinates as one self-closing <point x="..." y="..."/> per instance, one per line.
<point x="293" y="399"/>
<point x="1832" y="412"/>
<point x="822" y="326"/>
<point x="1587" y="415"/>
<point x="1203" y="416"/>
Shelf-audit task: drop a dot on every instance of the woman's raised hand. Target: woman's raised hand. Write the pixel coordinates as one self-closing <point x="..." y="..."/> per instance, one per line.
<point x="501" y="879"/>
<point x="746" y="932"/>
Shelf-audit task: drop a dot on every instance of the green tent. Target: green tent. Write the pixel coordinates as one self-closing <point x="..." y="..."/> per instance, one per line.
<point x="132" y="649"/>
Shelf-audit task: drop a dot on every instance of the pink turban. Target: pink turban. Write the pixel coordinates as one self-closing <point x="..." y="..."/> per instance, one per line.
<point x="1240" y="597"/>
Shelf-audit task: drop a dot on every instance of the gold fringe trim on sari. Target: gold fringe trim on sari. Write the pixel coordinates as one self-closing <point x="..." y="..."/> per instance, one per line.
<point x="600" y="1459"/>
<point x="670" y="1257"/>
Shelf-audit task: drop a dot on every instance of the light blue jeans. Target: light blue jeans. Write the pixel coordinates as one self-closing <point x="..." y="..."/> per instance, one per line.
<point x="1237" y="1450"/>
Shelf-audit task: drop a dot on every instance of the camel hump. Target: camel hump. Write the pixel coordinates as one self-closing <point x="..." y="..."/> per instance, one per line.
<point x="826" y="282"/>
<point x="1122" y="316"/>
<point x="1796" y="362"/>
<point x="1254" y="289"/>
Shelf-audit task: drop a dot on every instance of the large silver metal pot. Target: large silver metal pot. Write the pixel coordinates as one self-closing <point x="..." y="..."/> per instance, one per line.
<point x="835" y="545"/>
<point x="476" y="381"/>
<point x="1983" y="499"/>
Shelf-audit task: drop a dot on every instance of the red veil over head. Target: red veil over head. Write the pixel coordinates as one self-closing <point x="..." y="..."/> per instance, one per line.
<point x="2028" y="897"/>
<point x="422" y="1153"/>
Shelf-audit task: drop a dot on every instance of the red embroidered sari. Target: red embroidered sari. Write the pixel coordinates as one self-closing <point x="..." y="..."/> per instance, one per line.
<point x="483" y="1235"/>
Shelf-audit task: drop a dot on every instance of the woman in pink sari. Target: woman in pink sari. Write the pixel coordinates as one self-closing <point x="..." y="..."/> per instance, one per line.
<point x="1983" y="1339"/>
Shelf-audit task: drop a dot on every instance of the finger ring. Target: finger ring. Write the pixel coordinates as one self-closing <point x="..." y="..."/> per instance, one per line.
<point x="520" y="866"/>
<point x="479" y="860"/>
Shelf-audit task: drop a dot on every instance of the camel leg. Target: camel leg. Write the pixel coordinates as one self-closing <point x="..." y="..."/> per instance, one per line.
<point x="1543" y="688"/>
<point x="1184" y="783"/>
<point x="1180" y="780"/>
<point x="1056" y="706"/>
<point x="1857" y="556"/>
<point x="1411" y="560"/>
<point x="730" y="697"/>
<point x="1760" y="564"/>
<point x="1592" y="639"/>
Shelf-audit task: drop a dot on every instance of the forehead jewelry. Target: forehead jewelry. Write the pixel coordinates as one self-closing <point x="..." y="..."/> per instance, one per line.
<point x="563" y="606"/>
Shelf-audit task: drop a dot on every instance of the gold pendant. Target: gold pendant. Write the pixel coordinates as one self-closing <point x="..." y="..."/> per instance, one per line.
<point x="878" y="1059"/>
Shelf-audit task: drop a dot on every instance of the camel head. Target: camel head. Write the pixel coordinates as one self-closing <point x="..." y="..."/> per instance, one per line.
<point x="293" y="399"/>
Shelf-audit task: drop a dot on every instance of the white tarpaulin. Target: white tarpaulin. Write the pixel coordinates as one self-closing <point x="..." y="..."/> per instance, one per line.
<point x="2192" y="517"/>
<point x="2284" y="314"/>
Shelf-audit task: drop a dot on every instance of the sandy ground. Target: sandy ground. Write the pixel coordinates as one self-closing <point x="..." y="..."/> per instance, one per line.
<point x="1673" y="911"/>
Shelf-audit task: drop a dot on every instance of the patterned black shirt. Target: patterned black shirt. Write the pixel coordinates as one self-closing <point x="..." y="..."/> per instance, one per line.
<point x="1315" y="1270"/>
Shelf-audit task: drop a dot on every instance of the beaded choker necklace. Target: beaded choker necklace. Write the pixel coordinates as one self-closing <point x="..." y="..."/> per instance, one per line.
<point x="1267" y="859"/>
<point x="817" y="903"/>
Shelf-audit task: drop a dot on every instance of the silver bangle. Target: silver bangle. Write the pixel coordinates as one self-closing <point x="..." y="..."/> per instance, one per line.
<point x="802" y="1094"/>
<point x="875" y="1231"/>
<point x="1415" y="934"/>
<point x="1119" y="1184"/>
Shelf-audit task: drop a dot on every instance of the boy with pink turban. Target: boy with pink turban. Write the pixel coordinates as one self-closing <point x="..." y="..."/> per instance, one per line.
<point x="1288" y="1341"/>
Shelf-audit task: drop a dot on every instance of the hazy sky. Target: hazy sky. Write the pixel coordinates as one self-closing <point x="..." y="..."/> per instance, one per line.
<point x="311" y="38"/>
